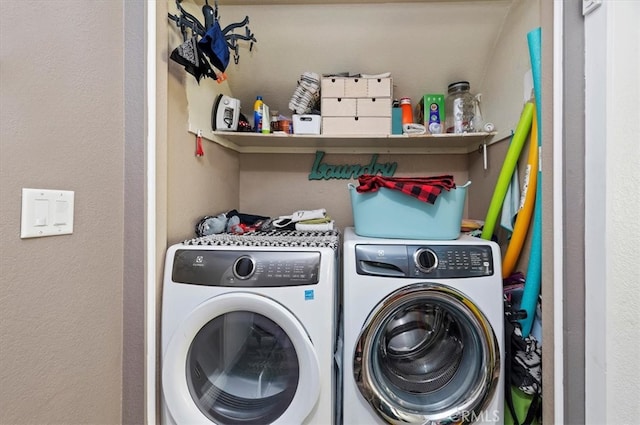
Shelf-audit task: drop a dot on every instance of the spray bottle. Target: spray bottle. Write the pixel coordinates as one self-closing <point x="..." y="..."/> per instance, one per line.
<point x="257" y="114"/>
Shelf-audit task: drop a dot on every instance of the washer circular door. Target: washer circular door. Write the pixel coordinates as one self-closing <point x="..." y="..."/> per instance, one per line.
<point x="427" y="355"/>
<point x="240" y="358"/>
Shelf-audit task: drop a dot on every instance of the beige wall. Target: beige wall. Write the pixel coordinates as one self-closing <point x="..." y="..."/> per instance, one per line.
<point x="196" y="186"/>
<point x="62" y="127"/>
<point x="278" y="184"/>
<point x="60" y="293"/>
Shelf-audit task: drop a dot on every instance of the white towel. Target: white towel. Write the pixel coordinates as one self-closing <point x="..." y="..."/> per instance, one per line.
<point x="511" y="204"/>
<point x="315" y="227"/>
<point x="297" y="216"/>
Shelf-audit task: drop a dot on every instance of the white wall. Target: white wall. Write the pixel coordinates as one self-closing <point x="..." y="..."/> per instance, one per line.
<point x="623" y="204"/>
<point x="612" y="203"/>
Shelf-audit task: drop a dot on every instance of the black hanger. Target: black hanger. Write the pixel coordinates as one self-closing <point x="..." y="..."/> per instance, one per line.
<point x="211" y="16"/>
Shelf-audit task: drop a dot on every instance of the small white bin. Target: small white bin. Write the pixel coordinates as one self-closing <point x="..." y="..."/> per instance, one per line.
<point x="306" y="124"/>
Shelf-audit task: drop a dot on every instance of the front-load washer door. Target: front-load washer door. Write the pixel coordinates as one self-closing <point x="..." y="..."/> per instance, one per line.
<point x="240" y="358"/>
<point x="427" y="355"/>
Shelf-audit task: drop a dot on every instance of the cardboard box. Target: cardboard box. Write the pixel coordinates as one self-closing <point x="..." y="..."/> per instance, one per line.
<point x="355" y="87"/>
<point x="338" y="107"/>
<point x="379" y="87"/>
<point x="374" y="107"/>
<point x="356" y="126"/>
<point x="430" y="112"/>
<point x="332" y="87"/>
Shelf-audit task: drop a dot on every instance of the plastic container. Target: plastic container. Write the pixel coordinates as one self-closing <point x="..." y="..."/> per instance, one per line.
<point x="274" y="121"/>
<point x="460" y="106"/>
<point x="266" y="127"/>
<point x="407" y="112"/>
<point x="306" y="124"/>
<point x="389" y="213"/>
<point x="257" y="115"/>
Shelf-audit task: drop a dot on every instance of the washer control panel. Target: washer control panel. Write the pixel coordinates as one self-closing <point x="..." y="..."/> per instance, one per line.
<point x="245" y="269"/>
<point x="418" y="261"/>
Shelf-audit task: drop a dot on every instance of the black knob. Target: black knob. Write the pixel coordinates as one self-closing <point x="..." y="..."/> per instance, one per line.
<point x="244" y="267"/>
<point x="426" y="260"/>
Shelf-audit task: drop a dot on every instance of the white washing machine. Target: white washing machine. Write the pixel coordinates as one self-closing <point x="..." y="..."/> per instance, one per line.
<point x="423" y="331"/>
<point x="248" y="333"/>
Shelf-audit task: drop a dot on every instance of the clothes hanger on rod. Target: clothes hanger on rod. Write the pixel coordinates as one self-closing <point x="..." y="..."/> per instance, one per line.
<point x="211" y="16"/>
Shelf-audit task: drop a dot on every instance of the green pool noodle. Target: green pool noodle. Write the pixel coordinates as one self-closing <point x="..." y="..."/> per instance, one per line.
<point x="508" y="166"/>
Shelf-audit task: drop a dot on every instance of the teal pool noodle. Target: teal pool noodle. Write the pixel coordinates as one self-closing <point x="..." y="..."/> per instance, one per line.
<point x="534" y="38"/>
<point x="508" y="166"/>
<point x="533" y="279"/>
<point x="534" y="271"/>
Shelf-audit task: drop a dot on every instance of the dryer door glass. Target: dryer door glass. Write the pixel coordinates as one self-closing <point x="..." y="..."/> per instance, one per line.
<point x="242" y="368"/>
<point x="427" y="354"/>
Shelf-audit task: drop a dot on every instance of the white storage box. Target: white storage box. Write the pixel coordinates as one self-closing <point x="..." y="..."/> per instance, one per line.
<point x="339" y="107"/>
<point x="379" y="87"/>
<point x="356" y="126"/>
<point x="355" y="87"/>
<point x="332" y="87"/>
<point x="374" y="107"/>
<point x="306" y="124"/>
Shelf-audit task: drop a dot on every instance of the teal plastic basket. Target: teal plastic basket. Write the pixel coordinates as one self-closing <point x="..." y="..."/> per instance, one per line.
<point x="388" y="213"/>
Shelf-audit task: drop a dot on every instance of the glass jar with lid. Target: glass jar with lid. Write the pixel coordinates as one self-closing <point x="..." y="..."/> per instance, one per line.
<point x="460" y="105"/>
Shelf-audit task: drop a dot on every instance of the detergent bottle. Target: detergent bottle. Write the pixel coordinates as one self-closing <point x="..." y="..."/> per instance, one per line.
<point x="257" y="115"/>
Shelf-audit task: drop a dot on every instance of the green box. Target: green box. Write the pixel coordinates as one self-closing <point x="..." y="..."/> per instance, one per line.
<point x="432" y="116"/>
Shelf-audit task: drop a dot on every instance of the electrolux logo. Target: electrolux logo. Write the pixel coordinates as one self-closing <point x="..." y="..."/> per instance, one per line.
<point x="199" y="261"/>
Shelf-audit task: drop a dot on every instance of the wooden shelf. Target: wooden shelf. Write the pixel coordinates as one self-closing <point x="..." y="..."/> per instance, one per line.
<point x="245" y="142"/>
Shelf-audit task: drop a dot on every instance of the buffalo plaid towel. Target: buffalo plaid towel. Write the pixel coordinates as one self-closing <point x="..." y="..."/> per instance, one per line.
<point x="425" y="189"/>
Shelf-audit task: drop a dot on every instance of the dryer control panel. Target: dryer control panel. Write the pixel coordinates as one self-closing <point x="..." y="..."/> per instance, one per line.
<point x="245" y="269"/>
<point x="417" y="261"/>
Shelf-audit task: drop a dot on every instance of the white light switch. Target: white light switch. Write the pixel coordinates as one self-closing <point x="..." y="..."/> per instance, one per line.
<point x="61" y="213"/>
<point x="41" y="212"/>
<point x="46" y="213"/>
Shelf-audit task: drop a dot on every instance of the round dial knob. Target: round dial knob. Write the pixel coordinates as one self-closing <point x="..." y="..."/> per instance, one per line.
<point x="244" y="267"/>
<point x="426" y="260"/>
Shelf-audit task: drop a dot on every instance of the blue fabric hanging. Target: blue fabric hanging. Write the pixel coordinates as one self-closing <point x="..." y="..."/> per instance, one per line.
<point x="214" y="46"/>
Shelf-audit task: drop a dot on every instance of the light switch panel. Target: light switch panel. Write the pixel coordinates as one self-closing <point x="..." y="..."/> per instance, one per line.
<point x="46" y="212"/>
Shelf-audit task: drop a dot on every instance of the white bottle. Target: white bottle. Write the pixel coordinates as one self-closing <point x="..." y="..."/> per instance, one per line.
<point x="266" y="128"/>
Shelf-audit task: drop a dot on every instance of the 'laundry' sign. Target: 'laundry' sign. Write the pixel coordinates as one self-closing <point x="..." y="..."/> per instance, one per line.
<point x="322" y="171"/>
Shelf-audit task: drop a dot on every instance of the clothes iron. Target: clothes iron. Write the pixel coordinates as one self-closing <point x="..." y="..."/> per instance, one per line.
<point x="225" y="113"/>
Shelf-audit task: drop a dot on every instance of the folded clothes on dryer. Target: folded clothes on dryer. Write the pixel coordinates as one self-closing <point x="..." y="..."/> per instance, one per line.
<point x="237" y="223"/>
<point x="316" y="224"/>
<point x="285" y="221"/>
<point x="425" y="189"/>
<point x="303" y="220"/>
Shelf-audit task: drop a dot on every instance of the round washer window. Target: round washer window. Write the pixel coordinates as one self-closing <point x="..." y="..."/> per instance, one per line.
<point x="427" y="354"/>
<point x="242" y="368"/>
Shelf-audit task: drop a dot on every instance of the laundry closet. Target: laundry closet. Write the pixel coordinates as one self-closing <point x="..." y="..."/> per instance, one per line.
<point x="425" y="45"/>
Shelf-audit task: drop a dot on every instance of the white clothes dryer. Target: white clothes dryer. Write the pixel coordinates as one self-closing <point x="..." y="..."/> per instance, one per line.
<point x="423" y="331"/>
<point x="248" y="333"/>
